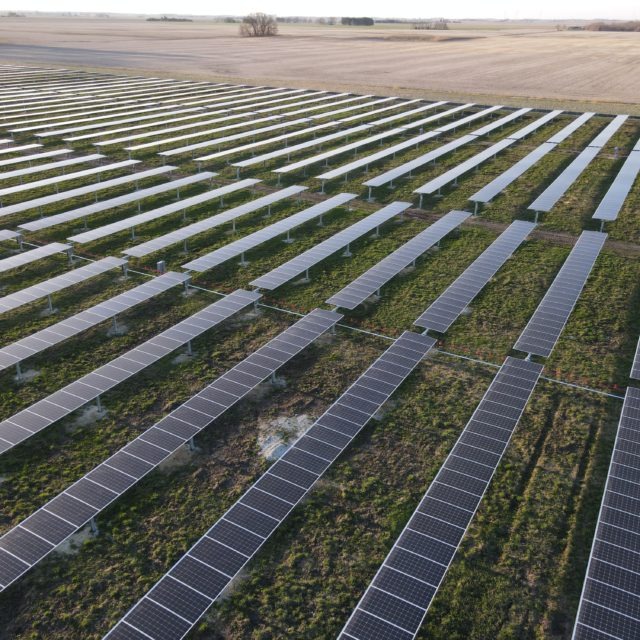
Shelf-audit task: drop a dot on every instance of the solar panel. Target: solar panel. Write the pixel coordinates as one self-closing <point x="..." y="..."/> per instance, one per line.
<point x="37" y="184"/>
<point x="27" y="257"/>
<point x="97" y="207"/>
<point x="452" y="126"/>
<point x="609" y="601"/>
<point x="165" y="130"/>
<point x="363" y="105"/>
<point x="308" y="144"/>
<point x="397" y="599"/>
<point x="203" y="573"/>
<point x="405" y="114"/>
<point x="385" y="153"/>
<point x="635" y="371"/>
<point x="454" y="173"/>
<point x="82" y="191"/>
<point x="7" y="234"/>
<point x="240" y="246"/>
<point x="205" y="132"/>
<point x="338" y="151"/>
<point x="371" y="112"/>
<point x="303" y="262"/>
<point x="150" y="113"/>
<point x="415" y="124"/>
<point x="35" y="156"/>
<point x="407" y="167"/>
<point x="610" y="205"/>
<point x="23" y="147"/>
<point x="49" y="166"/>
<point x="223" y="140"/>
<point x="30" y="541"/>
<point x="265" y="142"/>
<point x="68" y="279"/>
<point x="573" y="126"/>
<point x="446" y="309"/>
<point x="499" y="184"/>
<point x="543" y="330"/>
<point x="37" y="342"/>
<point x="59" y="404"/>
<point x="230" y="215"/>
<point x="605" y="135"/>
<point x="160" y="212"/>
<point x="369" y="282"/>
<point x="500" y="122"/>
<point x="40" y="124"/>
<point x="323" y="106"/>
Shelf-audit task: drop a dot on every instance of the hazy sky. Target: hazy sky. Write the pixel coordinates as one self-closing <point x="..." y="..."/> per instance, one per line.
<point x="553" y="9"/>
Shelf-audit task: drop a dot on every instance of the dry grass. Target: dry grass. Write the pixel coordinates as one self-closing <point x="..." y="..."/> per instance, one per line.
<point x="484" y="62"/>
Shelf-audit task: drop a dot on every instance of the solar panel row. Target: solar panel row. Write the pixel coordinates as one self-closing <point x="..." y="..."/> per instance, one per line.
<point x="45" y="338"/>
<point x="34" y="538"/>
<point x="398" y="597"/>
<point x="548" y="198"/>
<point x="49" y="166"/>
<point x="91" y="189"/>
<point x="230" y="215"/>
<point x="184" y="594"/>
<point x="612" y="203"/>
<point x="161" y="212"/>
<point x="104" y="205"/>
<point x="60" y="404"/>
<point x="445" y="310"/>
<point x="545" y="326"/>
<point x="370" y="282"/>
<point x="239" y="247"/>
<point x="303" y="262"/>
<point x="611" y="591"/>
<point x="27" y="257"/>
<point x="53" y="285"/>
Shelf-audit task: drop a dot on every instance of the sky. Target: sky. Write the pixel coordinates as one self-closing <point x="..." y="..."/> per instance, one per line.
<point x="500" y="9"/>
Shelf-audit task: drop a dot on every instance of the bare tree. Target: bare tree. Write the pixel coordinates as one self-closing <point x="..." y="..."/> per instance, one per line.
<point x="258" y="25"/>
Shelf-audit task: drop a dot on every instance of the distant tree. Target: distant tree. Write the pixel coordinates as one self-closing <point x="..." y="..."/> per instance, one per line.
<point x="258" y="25"/>
<point x="358" y="22"/>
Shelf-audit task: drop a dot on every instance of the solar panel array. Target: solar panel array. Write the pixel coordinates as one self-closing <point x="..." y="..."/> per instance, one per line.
<point x="60" y="404"/>
<point x="610" y="205"/>
<point x="111" y="203"/>
<point x="91" y="189"/>
<point x="26" y="544"/>
<point x="49" y="166"/>
<point x="40" y="340"/>
<point x="398" y="597"/>
<point x="27" y="257"/>
<point x="548" y="198"/>
<point x="58" y="283"/>
<point x="499" y="184"/>
<point x="161" y="212"/>
<point x="303" y="262"/>
<point x="609" y="601"/>
<point x="36" y="156"/>
<point x="543" y="330"/>
<point x="446" y="309"/>
<point x="368" y="283"/>
<point x="239" y="247"/>
<point x="230" y="215"/>
<point x="184" y="594"/>
<point x="454" y="173"/>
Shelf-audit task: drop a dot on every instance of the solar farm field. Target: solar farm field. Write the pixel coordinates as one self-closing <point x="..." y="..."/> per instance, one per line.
<point x="293" y="363"/>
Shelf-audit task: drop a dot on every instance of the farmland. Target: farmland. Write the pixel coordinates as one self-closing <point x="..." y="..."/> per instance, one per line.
<point x="521" y="565"/>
